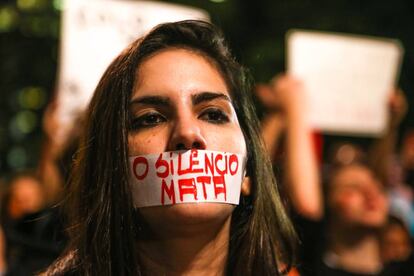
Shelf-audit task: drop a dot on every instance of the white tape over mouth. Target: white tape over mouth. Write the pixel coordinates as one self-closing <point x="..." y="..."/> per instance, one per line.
<point x="191" y="176"/>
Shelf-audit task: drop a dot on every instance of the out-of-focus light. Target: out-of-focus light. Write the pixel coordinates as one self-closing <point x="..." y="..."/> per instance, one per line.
<point x="54" y="29"/>
<point x="26" y="4"/>
<point x="17" y="157"/>
<point x="14" y="131"/>
<point x="35" y="25"/>
<point x="32" y="98"/>
<point x="31" y="4"/>
<point x="23" y="123"/>
<point x="8" y="18"/>
<point x="217" y="1"/>
<point x="58" y="4"/>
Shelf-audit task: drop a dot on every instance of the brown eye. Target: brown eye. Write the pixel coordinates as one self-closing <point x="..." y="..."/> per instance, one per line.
<point x="148" y="120"/>
<point x="215" y="116"/>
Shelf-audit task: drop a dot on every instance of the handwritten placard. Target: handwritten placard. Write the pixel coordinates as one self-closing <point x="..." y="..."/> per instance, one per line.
<point x="348" y="79"/>
<point x="192" y="176"/>
<point x="93" y="33"/>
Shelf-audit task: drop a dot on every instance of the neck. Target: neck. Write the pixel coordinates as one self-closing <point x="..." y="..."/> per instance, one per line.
<point x="201" y="250"/>
<point x="355" y="249"/>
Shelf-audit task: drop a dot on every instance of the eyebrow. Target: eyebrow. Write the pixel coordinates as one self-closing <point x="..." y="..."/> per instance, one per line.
<point x="165" y="101"/>
<point x="152" y="100"/>
<point x="208" y="96"/>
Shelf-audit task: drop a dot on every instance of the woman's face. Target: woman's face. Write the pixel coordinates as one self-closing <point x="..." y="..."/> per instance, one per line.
<point x="181" y="101"/>
<point x="25" y="197"/>
<point x="357" y="199"/>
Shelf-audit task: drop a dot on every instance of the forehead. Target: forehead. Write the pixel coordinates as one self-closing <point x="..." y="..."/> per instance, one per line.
<point x="176" y="70"/>
<point x="24" y="183"/>
<point x="354" y="175"/>
<point x="23" y="180"/>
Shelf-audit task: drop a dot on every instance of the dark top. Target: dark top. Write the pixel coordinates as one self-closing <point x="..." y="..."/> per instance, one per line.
<point x="392" y="269"/>
<point x="33" y="242"/>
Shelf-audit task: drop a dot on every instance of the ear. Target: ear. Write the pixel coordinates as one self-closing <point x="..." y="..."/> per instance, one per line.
<point x="246" y="186"/>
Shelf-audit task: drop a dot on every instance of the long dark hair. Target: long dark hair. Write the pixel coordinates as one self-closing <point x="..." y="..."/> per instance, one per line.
<point x="104" y="224"/>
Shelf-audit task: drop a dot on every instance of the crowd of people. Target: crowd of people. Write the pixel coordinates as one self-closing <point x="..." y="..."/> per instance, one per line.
<point x="179" y="88"/>
<point x="354" y="210"/>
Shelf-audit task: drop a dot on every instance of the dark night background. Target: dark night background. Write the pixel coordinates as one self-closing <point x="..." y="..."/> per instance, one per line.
<point x="29" y="35"/>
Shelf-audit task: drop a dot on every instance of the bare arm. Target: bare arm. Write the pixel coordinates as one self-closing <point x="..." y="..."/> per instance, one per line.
<point x="52" y="148"/>
<point x="302" y="177"/>
<point x="273" y="123"/>
<point x="272" y="128"/>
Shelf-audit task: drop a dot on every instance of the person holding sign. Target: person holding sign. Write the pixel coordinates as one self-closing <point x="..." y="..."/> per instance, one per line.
<point x="285" y="100"/>
<point x="171" y="177"/>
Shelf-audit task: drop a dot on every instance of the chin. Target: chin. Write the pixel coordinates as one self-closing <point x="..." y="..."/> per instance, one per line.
<point x="186" y="216"/>
<point x="373" y="221"/>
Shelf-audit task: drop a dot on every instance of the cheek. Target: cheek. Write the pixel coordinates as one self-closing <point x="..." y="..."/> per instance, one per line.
<point x="384" y="205"/>
<point x="147" y="142"/>
<point x="229" y="139"/>
<point x="347" y="202"/>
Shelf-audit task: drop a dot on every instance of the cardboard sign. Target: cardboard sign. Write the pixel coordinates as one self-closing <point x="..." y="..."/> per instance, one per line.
<point x="94" y="32"/>
<point x="192" y="176"/>
<point x="348" y="79"/>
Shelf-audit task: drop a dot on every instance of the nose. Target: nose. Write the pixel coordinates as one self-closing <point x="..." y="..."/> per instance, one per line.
<point x="373" y="194"/>
<point x="186" y="134"/>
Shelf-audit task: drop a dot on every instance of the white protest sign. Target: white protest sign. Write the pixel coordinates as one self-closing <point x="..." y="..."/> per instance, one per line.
<point x="93" y="33"/>
<point x="192" y="176"/>
<point x="348" y="79"/>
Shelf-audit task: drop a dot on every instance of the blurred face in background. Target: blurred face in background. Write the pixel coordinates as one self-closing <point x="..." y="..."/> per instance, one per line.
<point x="395" y="242"/>
<point x="356" y="198"/>
<point x="26" y="197"/>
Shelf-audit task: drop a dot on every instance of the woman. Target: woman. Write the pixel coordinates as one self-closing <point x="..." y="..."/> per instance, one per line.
<point x="356" y="209"/>
<point x="177" y="88"/>
<point x="349" y="242"/>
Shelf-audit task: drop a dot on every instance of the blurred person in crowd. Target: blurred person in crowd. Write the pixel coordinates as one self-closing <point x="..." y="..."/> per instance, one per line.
<point x="406" y="176"/>
<point x="57" y="154"/>
<point x="407" y="158"/>
<point x="396" y="243"/>
<point x="356" y="210"/>
<point x="3" y="262"/>
<point x="176" y="89"/>
<point x="393" y="165"/>
<point x="25" y="196"/>
<point x="32" y="233"/>
<point x="289" y="141"/>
